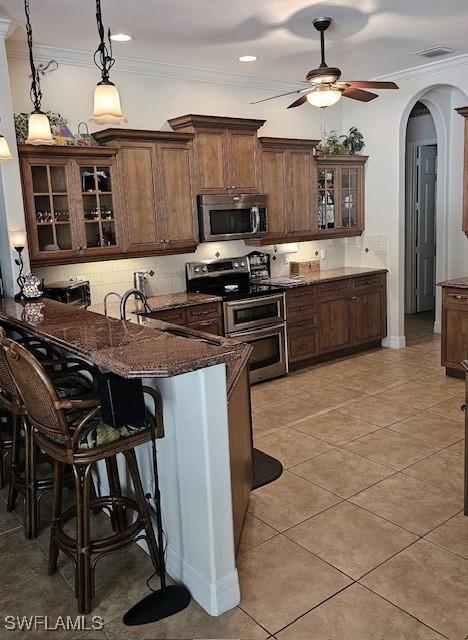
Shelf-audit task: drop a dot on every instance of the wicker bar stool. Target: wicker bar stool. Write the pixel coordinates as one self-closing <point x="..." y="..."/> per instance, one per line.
<point x="81" y="441"/>
<point x="17" y="442"/>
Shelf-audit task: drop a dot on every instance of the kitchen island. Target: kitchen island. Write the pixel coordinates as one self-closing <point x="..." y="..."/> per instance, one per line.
<point x="205" y="455"/>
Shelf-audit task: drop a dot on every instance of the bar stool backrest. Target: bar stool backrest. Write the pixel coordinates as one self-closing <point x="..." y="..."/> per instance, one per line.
<point x="39" y="396"/>
<point x="8" y="389"/>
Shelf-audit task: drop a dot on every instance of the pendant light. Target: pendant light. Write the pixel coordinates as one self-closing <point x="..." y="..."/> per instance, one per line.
<point x="4" y="148"/>
<point x="39" y="126"/>
<point x="107" y="108"/>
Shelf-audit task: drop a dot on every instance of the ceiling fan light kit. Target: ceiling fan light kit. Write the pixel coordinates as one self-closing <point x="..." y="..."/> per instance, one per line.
<point x="39" y="131"/>
<point x="107" y="107"/>
<point x="325" y="87"/>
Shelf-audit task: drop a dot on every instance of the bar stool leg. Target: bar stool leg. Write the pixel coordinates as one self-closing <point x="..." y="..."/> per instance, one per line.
<point x="15" y="462"/>
<point x="31" y="519"/>
<point x="132" y="463"/>
<point x="118" y="515"/>
<point x="55" y="517"/>
<point x="84" y="577"/>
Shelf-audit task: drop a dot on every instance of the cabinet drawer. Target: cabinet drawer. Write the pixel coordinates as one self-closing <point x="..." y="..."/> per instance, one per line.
<point x="334" y="288"/>
<point x="302" y="346"/>
<point x="300" y="326"/>
<point x="203" y="312"/>
<point x="300" y="293"/>
<point x="456" y="297"/>
<point x="176" y="316"/>
<point x="368" y="281"/>
<point x="301" y="310"/>
<point x="214" y="326"/>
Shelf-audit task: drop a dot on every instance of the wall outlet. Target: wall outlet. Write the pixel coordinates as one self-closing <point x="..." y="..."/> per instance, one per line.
<point x="285" y="259"/>
<point x="323" y="254"/>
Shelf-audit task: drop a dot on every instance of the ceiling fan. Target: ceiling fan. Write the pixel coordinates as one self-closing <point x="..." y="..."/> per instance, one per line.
<point x="326" y="88"/>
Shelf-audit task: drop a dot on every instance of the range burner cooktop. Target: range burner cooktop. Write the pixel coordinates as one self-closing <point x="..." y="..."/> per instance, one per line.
<point x="227" y="278"/>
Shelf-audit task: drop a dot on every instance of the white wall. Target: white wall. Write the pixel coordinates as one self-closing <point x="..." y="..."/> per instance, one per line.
<point x="420" y="129"/>
<point x="383" y="123"/>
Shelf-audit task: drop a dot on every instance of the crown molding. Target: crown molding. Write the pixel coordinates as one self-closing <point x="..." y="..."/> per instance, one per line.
<point x="428" y="69"/>
<point x="75" y="57"/>
<point x="6" y="28"/>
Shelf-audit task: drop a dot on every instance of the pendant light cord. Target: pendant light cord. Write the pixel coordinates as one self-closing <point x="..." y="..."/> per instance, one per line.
<point x="35" y="93"/>
<point x="103" y="55"/>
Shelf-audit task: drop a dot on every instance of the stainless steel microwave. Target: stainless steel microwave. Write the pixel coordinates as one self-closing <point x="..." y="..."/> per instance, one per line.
<point x="232" y="217"/>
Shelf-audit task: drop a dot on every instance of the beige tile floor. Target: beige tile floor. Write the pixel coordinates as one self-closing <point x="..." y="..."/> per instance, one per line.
<point x="362" y="538"/>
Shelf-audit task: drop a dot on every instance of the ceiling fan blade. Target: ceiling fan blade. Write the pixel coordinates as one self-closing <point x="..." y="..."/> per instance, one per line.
<point x="298" y="102"/>
<point x="371" y="84"/>
<point x="280" y="95"/>
<point x="359" y="94"/>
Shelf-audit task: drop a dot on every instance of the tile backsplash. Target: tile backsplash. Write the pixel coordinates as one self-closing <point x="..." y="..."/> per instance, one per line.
<point x="117" y="275"/>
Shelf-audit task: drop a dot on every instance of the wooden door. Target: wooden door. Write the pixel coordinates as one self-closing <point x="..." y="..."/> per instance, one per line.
<point x="52" y="209"/>
<point x="138" y="163"/>
<point x="275" y="187"/>
<point x="99" y="216"/>
<point x="211" y="152"/>
<point x="178" y="208"/>
<point x="367" y="311"/>
<point x="301" y="193"/>
<point x="334" y="324"/>
<point x="242" y="161"/>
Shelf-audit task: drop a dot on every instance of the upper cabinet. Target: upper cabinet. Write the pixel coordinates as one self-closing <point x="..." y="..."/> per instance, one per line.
<point x="227" y="154"/>
<point x="288" y="182"/>
<point x="157" y="173"/>
<point x="340" y="195"/>
<point x="463" y="111"/>
<point x="72" y="203"/>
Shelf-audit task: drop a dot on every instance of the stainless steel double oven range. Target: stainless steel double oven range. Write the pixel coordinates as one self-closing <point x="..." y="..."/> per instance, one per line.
<point x="253" y="313"/>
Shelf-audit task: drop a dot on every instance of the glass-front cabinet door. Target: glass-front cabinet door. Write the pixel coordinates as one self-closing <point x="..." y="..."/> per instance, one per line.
<point x="98" y="206"/>
<point x="51" y="227"/>
<point x="349" y="197"/>
<point x="326" y="194"/>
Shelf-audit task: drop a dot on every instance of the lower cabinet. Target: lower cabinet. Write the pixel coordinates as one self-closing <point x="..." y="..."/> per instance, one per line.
<point x="454" y="329"/>
<point x="325" y="319"/>
<point x="201" y="317"/>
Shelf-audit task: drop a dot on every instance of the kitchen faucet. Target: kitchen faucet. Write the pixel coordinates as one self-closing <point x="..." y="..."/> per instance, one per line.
<point x="111" y="293"/>
<point x="138" y="294"/>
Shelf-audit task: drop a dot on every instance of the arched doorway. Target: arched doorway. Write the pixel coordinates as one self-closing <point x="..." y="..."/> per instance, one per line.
<point x="420" y="223"/>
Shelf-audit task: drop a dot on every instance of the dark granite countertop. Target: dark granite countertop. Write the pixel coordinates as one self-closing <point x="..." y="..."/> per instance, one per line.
<point x="159" y="302"/>
<point x="138" y="348"/>
<point x="458" y="283"/>
<point x="329" y="275"/>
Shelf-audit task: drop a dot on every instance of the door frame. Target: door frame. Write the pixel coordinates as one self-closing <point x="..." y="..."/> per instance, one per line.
<point x="411" y="169"/>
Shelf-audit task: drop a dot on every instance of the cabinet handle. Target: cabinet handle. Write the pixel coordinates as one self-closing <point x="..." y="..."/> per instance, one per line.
<point x="201" y="313"/>
<point x="300" y="324"/>
<point x="463" y="407"/>
<point x="206" y="323"/>
<point x="459" y="297"/>
<point x="353" y="297"/>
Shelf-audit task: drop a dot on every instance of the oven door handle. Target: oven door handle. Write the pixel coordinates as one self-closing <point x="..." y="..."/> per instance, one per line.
<point x="268" y="329"/>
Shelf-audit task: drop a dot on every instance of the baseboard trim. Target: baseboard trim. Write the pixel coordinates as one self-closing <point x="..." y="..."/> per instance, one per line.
<point x="215" y="597"/>
<point x="394" y="342"/>
<point x="437" y="326"/>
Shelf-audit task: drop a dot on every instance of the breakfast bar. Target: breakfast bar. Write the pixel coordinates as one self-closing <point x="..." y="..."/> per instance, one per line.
<point x="205" y="454"/>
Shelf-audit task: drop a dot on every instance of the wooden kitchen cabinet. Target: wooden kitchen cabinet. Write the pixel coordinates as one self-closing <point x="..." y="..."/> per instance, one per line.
<point x="226" y="152"/>
<point x="340" y="195"/>
<point x="454" y="346"/>
<point x="288" y="182"/>
<point x="463" y="111"/>
<point x="72" y="203"/>
<point x="157" y="171"/>
<point x="332" y="318"/>
<point x="205" y="317"/>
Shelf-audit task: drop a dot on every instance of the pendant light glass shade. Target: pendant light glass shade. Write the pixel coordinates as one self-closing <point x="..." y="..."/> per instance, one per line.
<point x="107" y="108"/>
<point x="39" y="129"/>
<point x="4" y="149"/>
<point x="324" y="96"/>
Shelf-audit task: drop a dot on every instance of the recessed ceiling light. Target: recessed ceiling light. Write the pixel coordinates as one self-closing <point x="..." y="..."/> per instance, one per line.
<point x="121" y="37"/>
<point x="248" y="58"/>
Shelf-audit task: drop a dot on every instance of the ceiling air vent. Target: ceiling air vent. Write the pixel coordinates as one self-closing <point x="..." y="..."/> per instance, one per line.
<point x="434" y="52"/>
